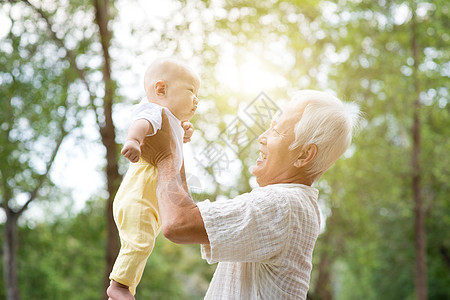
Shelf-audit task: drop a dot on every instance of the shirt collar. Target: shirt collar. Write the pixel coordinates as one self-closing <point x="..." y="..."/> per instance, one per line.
<point x="308" y="189"/>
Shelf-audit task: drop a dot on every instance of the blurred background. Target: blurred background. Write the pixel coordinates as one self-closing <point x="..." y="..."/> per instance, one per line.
<point x="71" y="70"/>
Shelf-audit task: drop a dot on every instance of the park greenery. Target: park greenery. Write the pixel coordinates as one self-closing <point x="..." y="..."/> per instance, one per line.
<point x="386" y="202"/>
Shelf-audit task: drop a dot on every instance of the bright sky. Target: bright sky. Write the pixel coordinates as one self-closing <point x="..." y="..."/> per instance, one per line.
<point x="78" y="166"/>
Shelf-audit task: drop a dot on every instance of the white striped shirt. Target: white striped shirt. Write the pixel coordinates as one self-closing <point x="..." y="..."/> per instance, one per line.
<point x="263" y="241"/>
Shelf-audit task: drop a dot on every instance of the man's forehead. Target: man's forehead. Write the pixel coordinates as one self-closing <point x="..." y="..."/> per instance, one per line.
<point x="291" y="110"/>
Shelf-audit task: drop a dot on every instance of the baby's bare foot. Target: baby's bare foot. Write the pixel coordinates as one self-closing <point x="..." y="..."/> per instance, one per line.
<point x="118" y="291"/>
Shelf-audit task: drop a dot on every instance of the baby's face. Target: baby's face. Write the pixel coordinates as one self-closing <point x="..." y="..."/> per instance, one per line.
<point x="182" y="93"/>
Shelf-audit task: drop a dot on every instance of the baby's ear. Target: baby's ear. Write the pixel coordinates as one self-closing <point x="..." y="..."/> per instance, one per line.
<point x="160" y="88"/>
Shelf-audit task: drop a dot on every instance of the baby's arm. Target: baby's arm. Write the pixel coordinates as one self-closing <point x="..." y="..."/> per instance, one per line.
<point x="136" y="133"/>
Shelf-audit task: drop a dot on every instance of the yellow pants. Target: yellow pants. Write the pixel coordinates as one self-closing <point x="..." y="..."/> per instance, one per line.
<point x="136" y="214"/>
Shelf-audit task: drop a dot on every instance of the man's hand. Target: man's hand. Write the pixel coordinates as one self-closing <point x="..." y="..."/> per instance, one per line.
<point x="188" y="131"/>
<point x="161" y="146"/>
<point x="131" y="150"/>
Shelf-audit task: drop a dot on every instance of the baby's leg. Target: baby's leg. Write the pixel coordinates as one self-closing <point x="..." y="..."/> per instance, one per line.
<point x="136" y="215"/>
<point x="118" y="291"/>
<point x="138" y="227"/>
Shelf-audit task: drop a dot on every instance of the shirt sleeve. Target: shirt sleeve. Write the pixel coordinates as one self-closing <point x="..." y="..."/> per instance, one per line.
<point x="149" y="112"/>
<point x="251" y="227"/>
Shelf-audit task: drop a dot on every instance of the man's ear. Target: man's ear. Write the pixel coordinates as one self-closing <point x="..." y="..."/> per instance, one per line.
<point x="160" y="88"/>
<point x="306" y="156"/>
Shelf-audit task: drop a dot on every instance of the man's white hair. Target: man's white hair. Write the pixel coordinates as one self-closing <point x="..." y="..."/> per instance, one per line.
<point x="326" y="122"/>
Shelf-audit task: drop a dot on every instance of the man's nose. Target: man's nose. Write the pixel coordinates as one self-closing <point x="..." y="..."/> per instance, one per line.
<point x="262" y="138"/>
<point x="195" y="100"/>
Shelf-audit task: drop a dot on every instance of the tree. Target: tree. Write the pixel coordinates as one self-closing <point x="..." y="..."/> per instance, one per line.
<point x="394" y="57"/>
<point x="59" y="36"/>
<point x="100" y="105"/>
<point x="419" y="209"/>
<point x="39" y="110"/>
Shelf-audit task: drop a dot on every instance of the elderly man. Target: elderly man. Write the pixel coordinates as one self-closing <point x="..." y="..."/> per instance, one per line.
<point x="262" y="240"/>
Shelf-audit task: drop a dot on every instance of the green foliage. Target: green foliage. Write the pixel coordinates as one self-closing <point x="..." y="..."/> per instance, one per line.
<point x="175" y="272"/>
<point x="360" y="49"/>
<point x="378" y="74"/>
<point x="38" y="107"/>
<point x="65" y="260"/>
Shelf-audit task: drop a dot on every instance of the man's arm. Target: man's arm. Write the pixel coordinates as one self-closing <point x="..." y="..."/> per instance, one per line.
<point x="182" y="222"/>
<point x="183" y="178"/>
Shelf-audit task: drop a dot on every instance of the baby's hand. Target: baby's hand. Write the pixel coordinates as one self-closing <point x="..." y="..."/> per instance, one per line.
<point x="132" y="150"/>
<point x="188" y="131"/>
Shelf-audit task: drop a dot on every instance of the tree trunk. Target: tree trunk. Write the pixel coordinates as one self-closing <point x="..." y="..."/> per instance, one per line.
<point x="10" y="256"/>
<point x="419" y="213"/>
<point x="323" y="285"/>
<point x="106" y="125"/>
<point x="323" y="288"/>
<point x="107" y="132"/>
<point x="329" y="251"/>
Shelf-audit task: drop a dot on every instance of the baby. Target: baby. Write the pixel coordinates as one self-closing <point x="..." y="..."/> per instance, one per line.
<point x="172" y="86"/>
